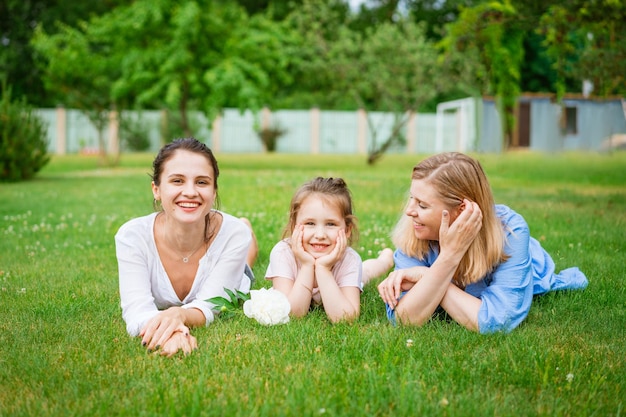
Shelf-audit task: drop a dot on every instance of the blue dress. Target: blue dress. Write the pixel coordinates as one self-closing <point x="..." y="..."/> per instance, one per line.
<point x="507" y="292"/>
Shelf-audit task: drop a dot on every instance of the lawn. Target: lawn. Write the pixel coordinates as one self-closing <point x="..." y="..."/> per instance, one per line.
<point x="64" y="350"/>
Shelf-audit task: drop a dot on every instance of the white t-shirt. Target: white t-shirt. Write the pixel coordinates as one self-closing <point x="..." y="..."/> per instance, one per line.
<point x="145" y="288"/>
<point x="347" y="271"/>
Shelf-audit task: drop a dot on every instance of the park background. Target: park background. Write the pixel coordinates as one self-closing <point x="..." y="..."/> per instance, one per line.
<point x="488" y="75"/>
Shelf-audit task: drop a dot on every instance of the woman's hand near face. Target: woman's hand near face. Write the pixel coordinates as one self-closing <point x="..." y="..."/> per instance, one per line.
<point x="457" y="237"/>
<point x="399" y="281"/>
<point x="297" y="246"/>
<point x="328" y="261"/>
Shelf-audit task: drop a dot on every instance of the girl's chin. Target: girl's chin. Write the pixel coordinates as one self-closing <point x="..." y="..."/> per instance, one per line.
<point x="318" y="254"/>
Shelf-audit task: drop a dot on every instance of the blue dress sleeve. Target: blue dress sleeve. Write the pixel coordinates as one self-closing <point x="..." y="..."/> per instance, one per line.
<point x="403" y="261"/>
<point x="508" y="290"/>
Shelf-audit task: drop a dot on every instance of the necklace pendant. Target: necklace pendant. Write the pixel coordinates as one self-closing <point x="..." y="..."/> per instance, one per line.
<point x="185" y="259"/>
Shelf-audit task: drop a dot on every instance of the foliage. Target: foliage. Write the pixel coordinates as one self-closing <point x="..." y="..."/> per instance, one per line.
<point x="174" y="126"/>
<point x="23" y="142"/>
<point x="60" y="318"/>
<point x="398" y="80"/>
<point x="587" y="41"/>
<point x="487" y="36"/>
<point x="196" y="55"/>
<point x="231" y="304"/>
<point x="436" y="14"/>
<point x="345" y="68"/>
<point x="314" y="28"/>
<point x="17" y="26"/>
<point x="80" y="66"/>
<point x="270" y="135"/>
<point x="133" y="134"/>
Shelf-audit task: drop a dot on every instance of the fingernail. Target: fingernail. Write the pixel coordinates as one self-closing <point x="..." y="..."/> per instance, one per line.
<point x="143" y="343"/>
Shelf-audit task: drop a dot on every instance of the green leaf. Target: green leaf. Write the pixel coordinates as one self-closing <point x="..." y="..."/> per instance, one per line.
<point x="230" y="305"/>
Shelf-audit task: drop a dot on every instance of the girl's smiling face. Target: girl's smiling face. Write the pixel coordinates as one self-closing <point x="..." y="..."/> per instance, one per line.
<point x="186" y="187"/>
<point x="425" y="208"/>
<point x="322" y="221"/>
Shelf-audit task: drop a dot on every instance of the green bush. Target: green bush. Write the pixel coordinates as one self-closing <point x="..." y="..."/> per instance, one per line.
<point x="173" y="126"/>
<point x="269" y="137"/>
<point x="23" y="142"/>
<point x="134" y="134"/>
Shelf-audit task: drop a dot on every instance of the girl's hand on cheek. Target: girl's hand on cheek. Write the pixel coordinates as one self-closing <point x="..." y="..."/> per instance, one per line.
<point x="297" y="246"/>
<point x="328" y="261"/>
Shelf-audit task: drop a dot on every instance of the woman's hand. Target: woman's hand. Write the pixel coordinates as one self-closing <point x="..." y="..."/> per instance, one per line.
<point x="399" y="281"/>
<point x="161" y="328"/>
<point x="297" y="246"/>
<point x="457" y="237"/>
<point x="328" y="261"/>
<point x="179" y="341"/>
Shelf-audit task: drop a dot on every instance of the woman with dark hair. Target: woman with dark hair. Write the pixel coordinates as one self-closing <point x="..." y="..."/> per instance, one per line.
<point x="171" y="261"/>
<point x="459" y="251"/>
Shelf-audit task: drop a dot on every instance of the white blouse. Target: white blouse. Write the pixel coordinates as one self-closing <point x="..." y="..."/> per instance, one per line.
<point x="145" y="288"/>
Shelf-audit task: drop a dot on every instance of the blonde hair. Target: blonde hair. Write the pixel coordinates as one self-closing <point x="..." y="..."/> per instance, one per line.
<point x="455" y="176"/>
<point x="333" y="190"/>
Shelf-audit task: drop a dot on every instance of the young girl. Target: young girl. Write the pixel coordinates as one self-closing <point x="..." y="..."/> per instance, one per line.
<point x="314" y="263"/>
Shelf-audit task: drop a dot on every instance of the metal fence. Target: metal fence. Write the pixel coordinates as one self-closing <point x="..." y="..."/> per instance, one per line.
<point x="306" y="131"/>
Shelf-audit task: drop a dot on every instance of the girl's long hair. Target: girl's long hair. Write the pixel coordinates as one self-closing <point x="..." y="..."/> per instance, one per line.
<point x="456" y="176"/>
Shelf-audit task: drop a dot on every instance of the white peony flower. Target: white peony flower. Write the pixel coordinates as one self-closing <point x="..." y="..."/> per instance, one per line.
<point x="267" y="306"/>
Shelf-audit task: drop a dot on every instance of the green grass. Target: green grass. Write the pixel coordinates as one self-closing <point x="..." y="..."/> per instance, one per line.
<point x="64" y="350"/>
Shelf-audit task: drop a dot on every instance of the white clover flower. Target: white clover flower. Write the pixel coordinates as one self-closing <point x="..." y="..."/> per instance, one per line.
<point x="569" y="377"/>
<point x="409" y="342"/>
<point x="267" y="306"/>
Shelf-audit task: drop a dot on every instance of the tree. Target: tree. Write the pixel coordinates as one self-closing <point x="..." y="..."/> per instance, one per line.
<point x="486" y="45"/>
<point x="18" y="20"/>
<point x="436" y="14"/>
<point x="80" y="66"/>
<point x="587" y="40"/>
<point x="196" y="55"/>
<point x="391" y="67"/>
<point x="314" y="28"/>
<point x="181" y="56"/>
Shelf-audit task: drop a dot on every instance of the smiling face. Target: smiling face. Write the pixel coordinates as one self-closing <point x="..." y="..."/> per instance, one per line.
<point x="425" y="207"/>
<point x="186" y="186"/>
<point x="322" y="222"/>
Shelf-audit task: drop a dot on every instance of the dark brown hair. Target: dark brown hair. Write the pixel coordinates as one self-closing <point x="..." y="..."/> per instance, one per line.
<point x="192" y="145"/>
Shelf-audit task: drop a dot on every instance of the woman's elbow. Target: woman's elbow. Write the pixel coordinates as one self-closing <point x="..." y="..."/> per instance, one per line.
<point x="407" y="317"/>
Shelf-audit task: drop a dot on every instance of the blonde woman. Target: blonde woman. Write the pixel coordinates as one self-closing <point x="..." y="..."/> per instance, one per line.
<point x="458" y="251"/>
